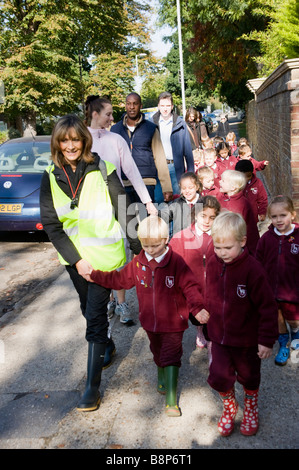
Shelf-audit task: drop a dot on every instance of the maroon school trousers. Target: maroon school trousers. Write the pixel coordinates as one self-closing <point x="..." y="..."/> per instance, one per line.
<point x="229" y="364"/>
<point x="167" y="348"/>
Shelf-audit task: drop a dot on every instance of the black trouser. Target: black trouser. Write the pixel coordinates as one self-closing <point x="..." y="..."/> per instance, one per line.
<point x="93" y="303"/>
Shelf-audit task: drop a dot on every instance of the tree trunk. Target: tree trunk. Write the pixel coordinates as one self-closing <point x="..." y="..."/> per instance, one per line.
<point x="29" y="125"/>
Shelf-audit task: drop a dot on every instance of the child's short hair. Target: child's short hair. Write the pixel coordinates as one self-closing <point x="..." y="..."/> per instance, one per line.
<point x="244" y="148"/>
<point x="198" y="155"/>
<point x="203" y="172"/>
<point x="230" y="136"/>
<point x="281" y="199"/>
<point x="153" y="227"/>
<point x="228" y="224"/>
<point x="237" y="178"/>
<point x="245" y="166"/>
<point x="209" y="151"/>
<point x="207" y="202"/>
<point x="242" y="141"/>
<point x="207" y="143"/>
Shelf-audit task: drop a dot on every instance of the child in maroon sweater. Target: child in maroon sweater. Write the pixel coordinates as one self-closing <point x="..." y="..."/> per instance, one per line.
<point x="225" y="161"/>
<point x="278" y="251"/>
<point x="167" y="291"/>
<point x="243" y="321"/>
<point x="206" y="177"/>
<point x="231" y="197"/>
<point x="254" y="190"/>
<point x="195" y="246"/>
<point x="245" y="153"/>
<point x="210" y="157"/>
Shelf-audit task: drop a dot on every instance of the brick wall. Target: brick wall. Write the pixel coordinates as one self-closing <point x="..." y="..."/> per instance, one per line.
<point x="273" y="128"/>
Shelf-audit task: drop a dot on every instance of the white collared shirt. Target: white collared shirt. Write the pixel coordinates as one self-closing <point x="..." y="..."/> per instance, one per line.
<point x="159" y="259"/>
<point x="286" y="234"/>
<point x="165" y="132"/>
<point x="199" y="232"/>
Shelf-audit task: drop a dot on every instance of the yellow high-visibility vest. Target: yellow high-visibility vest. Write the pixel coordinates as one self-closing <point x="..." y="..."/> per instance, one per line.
<point x="91" y="226"/>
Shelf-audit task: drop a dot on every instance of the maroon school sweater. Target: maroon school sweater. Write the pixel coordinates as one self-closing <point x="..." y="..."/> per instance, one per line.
<point x="166" y="292"/>
<point x="238" y="203"/>
<point x="279" y="254"/>
<point x="256" y="194"/>
<point x="239" y="299"/>
<point x="214" y="191"/>
<point x="257" y="165"/>
<point x="195" y="250"/>
<point x="223" y="164"/>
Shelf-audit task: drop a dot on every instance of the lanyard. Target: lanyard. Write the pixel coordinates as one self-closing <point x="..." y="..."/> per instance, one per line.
<point x="75" y="200"/>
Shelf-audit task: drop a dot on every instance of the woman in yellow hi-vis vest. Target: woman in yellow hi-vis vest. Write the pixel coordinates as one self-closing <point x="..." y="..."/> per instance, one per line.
<point x="84" y="213"/>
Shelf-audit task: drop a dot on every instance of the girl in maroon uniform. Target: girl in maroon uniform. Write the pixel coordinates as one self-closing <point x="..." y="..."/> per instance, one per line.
<point x="278" y="251"/>
<point x="194" y="244"/>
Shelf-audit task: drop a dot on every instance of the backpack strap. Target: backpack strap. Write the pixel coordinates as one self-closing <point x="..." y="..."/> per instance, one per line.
<point x="103" y="170"/>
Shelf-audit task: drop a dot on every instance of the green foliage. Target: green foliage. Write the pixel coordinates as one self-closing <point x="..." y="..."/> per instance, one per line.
<point x="3" y="136"/>
<point x="112" y="75"/>
<point x="195" y="95"/>
<point x="216" y="34"/>
<point x="281" y="39"/>
<point x="45" y="46"/>
<point x="153" y="85"/>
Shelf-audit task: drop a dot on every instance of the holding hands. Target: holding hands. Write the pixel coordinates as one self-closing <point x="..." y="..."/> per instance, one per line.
<point x="264" y="352"/>
<point x="85" y="269"/>
<point x="202" y="316"/>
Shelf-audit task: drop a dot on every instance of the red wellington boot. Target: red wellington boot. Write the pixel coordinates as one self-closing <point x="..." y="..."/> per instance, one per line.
<point x="250" y="422"/>
<point x="226" y="422"/>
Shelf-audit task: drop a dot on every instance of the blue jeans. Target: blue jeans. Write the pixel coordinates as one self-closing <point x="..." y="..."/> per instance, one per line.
<point x="174" y="182"/>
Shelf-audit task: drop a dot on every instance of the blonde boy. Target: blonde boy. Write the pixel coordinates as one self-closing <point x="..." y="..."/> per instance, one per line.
<point x="231" y="197"/>
<point x="243" y="321"/>
<point x="167" y="291"/>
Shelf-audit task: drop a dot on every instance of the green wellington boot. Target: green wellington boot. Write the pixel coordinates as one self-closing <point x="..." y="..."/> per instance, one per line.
<point x="91" y="397"/>
<point x="161" y="381"/>
<point x="171" y="381"/>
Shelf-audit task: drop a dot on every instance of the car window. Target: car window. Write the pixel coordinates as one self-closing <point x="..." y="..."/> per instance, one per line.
<point x="25" y="157"/>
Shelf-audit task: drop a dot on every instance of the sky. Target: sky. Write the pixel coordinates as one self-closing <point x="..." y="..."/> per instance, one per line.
<point x="159" y="48"/>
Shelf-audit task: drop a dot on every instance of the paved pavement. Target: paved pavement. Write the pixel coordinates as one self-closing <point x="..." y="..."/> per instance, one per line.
<point x="42" y="374"/>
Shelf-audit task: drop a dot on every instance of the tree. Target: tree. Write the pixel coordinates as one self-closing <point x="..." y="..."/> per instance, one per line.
<point x="281" y="39"/>
<point x="222" y="58"/>
<point x="45" y="46"/>
<point x="195" y="95"/>
<point x="112" y="75"/>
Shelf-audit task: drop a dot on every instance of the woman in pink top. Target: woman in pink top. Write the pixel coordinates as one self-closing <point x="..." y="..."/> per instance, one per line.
<point x="113" y="148"/>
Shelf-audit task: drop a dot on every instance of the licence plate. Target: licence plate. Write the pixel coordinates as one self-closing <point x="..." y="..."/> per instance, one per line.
<point x="11" y="208"/>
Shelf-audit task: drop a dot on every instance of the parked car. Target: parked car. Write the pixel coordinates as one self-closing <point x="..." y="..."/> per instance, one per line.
<point x="217" y="113"/>
<point x="214" y="120"/>
<point x="22" y="163"/>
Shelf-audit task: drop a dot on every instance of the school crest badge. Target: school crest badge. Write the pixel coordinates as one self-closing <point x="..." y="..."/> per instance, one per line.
<point x="294" y="249"/>
<point x="169" y="281"/>
<point x="241" y="291"/>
